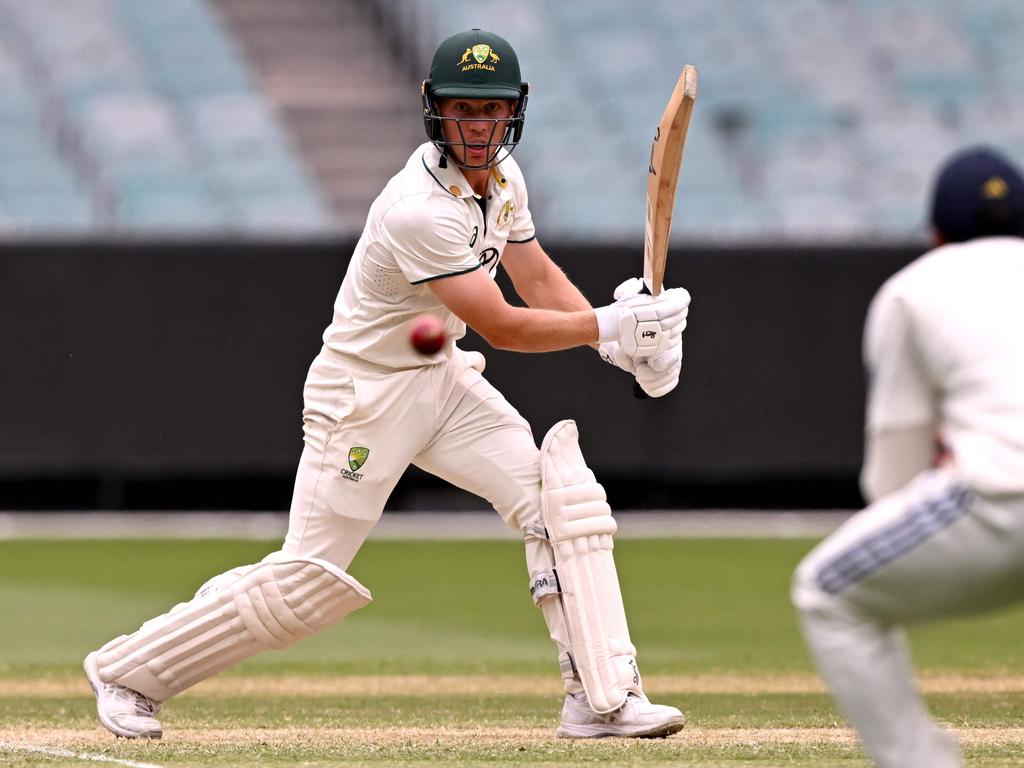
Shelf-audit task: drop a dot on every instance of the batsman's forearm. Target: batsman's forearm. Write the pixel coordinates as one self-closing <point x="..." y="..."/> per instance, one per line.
<point x="553" y="291"/>
<point x="541" y="330"/>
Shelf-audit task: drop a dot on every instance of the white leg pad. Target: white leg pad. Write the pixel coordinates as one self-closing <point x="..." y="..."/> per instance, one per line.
<point x="271" y="604"/>
<point x="579" y="527"/>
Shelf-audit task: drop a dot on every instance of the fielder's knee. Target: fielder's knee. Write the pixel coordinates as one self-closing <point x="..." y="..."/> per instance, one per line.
<point x="804" y="591"/>
<point x="813" y="602"/>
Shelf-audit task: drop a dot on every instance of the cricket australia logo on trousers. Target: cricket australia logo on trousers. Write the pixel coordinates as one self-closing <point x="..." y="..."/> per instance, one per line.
<point x="357" y="456"/>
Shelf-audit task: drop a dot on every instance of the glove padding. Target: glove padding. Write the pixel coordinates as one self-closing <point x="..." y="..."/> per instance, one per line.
<point x="659" y="375"/>
<point x="631" y="287"/>
<point x="644" y="326"/>
<point x="611" y="352"/>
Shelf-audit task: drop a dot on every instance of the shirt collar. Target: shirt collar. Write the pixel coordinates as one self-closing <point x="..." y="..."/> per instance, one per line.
<point x="446" y="173"/>
<point x="449" y="176"/>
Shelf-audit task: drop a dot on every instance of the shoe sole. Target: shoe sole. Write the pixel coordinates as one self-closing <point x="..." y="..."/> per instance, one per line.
<point x="603" y="731"/>
<point x="92" y="674"/>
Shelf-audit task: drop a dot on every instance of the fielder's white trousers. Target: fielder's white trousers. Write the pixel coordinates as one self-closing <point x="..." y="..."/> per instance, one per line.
<point x="933" y="549"/>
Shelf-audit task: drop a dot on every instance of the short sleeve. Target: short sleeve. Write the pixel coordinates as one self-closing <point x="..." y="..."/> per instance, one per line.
<point x="428" y="241"/>
<point x="900" y="393"/>
<point x="522" y="228"/>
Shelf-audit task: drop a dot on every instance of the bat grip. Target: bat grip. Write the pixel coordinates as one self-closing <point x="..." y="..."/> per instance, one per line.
<point x="638" y="391"/>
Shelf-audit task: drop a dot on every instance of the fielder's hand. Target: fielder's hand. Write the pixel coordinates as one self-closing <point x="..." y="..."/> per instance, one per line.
<point x="644" y="326"/>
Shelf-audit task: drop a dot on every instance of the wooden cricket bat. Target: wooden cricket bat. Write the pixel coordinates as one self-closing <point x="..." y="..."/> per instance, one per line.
<point x="663" y="173"/>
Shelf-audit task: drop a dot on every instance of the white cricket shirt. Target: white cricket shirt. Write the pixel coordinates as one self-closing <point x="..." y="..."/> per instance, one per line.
<point x="427" y="224"/>
<point x="944" y="346"/>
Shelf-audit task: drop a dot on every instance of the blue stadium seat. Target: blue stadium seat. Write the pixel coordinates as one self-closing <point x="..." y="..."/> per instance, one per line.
<point x="886" y="87"/>
<point x="814" y="117"/>
<point x="143" y="111"/>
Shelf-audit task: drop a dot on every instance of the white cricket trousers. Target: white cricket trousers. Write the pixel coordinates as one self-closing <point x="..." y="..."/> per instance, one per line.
<point x="362" y="430"/>
<point x="933" y="549"/>
<point x="447" y="420"/>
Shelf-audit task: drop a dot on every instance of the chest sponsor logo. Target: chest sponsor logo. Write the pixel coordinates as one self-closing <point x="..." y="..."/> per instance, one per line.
<point x="505" y="215"/>
<point x="357" y="456"/>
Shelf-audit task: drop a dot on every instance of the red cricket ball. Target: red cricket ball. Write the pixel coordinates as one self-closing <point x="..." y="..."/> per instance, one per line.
<point x="427" y="335"/>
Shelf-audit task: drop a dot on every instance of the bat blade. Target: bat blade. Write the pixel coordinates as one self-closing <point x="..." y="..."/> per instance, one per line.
<point x="663" y="174"/>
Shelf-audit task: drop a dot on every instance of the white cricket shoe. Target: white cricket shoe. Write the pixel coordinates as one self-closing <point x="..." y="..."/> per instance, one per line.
<point x="122" y="711"/>
<point x="637" y="718"/>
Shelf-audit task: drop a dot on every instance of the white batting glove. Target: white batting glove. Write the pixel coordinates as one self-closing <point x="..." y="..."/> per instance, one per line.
<point x="659" y="375"/>
<point x="627" y="288"/>
<point x="645" y="326"/>
<point x="611" y="352"/>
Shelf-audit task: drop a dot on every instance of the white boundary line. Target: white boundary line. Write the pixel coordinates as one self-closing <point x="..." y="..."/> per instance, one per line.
<point x="408" y="525"/>
<point x="58" y="752"/>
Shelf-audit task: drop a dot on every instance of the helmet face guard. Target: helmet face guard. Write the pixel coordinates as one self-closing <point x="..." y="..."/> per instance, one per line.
<point x="508" y="139"/>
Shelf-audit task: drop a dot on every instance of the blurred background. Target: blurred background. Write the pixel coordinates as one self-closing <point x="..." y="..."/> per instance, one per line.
<point x="182" y="183"/>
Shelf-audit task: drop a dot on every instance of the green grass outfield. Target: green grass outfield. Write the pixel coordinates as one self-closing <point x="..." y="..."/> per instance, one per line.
<point x="451" y="665"/>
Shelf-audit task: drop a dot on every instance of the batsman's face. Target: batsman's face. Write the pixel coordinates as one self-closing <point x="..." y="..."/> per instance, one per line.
<point x="474" y="127"/>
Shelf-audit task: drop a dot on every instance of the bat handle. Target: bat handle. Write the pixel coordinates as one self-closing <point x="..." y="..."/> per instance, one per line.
<point x="638" y="391"/>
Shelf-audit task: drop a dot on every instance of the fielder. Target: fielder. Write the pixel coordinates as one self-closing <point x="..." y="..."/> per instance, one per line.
<point x="373" y="406"/>
<point x="945" y="532"/>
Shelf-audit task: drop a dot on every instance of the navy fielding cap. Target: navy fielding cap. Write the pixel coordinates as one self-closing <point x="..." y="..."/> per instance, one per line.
<point x="978" y="193"/>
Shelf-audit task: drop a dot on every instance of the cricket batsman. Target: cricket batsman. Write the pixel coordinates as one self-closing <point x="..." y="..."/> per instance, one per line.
<point x="944" y="534"/>
<point x="433" y="240"/>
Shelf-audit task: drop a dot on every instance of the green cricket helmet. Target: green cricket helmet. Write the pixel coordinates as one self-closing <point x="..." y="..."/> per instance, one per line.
<point x="475" y="65"/>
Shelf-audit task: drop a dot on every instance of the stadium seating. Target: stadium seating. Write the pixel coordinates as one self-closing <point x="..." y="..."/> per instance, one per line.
<point x="815" y="120"/>
<point x="140" y="116"/>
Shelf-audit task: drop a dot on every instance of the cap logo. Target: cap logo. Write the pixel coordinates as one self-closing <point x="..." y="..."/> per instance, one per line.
<point x="484" y="56"/>
<point x="995" y="188"/>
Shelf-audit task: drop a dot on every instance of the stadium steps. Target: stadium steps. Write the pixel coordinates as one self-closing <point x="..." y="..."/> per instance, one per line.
<point x="340" y="89"/>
